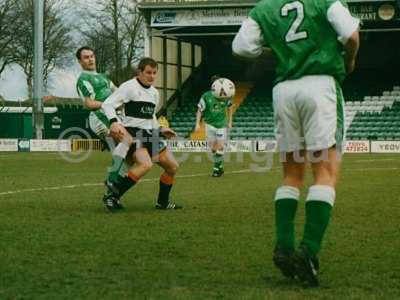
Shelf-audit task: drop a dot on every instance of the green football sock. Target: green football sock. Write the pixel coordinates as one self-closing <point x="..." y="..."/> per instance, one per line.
<point x="218" y="160"/>
<point x="115" y="169"/>
<point x="118" y="158"/>
<point x="286" y="200"/>
<point x="319" y="205"/>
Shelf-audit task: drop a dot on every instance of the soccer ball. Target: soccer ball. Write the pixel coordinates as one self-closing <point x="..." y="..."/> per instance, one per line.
<point x="223" y="88"/>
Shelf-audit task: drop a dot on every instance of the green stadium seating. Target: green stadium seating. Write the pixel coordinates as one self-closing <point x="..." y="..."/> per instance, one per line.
<point x="373" y="112"/>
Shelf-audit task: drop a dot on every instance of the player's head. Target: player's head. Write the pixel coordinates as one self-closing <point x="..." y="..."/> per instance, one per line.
<point x="147" y="70"/>
<point x="86" y="58"/>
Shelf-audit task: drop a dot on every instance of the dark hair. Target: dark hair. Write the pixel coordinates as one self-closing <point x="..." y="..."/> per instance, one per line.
<point x="147" y="61"/>
<point x="79" y="51"/>
<point x="215" y="77"/>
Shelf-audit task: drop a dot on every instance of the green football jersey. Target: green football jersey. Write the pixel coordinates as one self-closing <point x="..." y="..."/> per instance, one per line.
<point x="214" y="110"/>
<point x="96" y="86"/>
<point x="301" y="37"/>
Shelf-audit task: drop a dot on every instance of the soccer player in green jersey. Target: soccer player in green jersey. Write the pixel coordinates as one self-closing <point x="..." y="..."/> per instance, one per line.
<point x="217" y="115"/>
<point x="315" y="43"/>
<point x="93" y="88"/>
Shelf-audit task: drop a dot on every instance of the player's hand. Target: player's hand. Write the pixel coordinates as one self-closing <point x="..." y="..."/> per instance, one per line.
<point x="197" y="128"/>
<point x="350" y="65"/>
<point x="168" y="133"/>
<point x="117" y="131"/>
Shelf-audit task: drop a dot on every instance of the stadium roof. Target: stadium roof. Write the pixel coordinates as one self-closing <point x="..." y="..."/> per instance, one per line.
<point x="156" y="4"/>
<point x="194" y="18"/>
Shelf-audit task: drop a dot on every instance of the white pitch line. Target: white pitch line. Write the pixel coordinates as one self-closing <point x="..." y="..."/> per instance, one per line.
<point x="372" y="160"/>
<point x="371" y="169"/>
<point x="156" y="179"/>
<point x="52" y="188"/>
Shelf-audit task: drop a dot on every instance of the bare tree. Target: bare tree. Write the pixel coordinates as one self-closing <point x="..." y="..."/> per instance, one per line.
<point x="133" y="37"/>
<point x="98" y="39"/>
<point x="57" y="43"/>
<point x="114" y="28"/>
<point x="8" y="24"/>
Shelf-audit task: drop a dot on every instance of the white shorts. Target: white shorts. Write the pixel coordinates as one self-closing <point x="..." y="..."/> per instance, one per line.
<point x="308" y="113"/>
<point x="97" y="126"/>
<point x="213" y="133"/>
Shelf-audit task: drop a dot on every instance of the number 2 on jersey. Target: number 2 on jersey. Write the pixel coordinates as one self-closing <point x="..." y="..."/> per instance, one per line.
<point x="292" y="34"/>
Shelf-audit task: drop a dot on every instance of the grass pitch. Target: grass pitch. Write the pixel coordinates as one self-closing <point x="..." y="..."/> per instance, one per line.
<point x="57" y="242"/>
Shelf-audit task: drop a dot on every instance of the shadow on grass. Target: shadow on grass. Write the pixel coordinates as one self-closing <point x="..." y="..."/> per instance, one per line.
<point x="289" y="285"/>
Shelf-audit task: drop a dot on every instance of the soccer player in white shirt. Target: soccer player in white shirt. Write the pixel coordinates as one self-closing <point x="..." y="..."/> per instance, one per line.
<point x="141" y="137"/>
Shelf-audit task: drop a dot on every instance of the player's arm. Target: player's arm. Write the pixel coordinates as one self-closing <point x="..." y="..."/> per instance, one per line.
<point x="167" y="132"/>
<point x="346" y="27"/>
<point x="113" y="87"/>
<point x="87" y="94"/>
<point x="249" y="42"/>
<point x="92" y="104"/>
<point x="230" y="115"/>
<point x="110" y="105"/>
<point x="200" y="108"/>
<point x="351" y="48"/>
<point x="198" y="119"/>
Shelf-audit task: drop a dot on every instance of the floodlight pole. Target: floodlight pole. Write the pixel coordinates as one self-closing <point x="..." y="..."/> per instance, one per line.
<point x="38" y="118"/>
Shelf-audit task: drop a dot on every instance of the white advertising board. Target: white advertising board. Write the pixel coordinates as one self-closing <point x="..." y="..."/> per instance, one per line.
<point x="50" y="145"/>
<point x="385" y="146"/>
<point x="357" y="147"/>
<point x="199" y="17"/>
<point x="9" y="145"/>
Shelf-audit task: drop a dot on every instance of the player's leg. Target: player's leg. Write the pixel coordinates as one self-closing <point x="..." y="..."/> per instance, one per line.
<point x="118" y="187"/>
<point x="320" y="200"/>
<point x="167" y="179"/>
<point x="286" y="202"/>
<point x="323" y="123"/>
<point x="219" y="150"/>
<point x="211" y="140"/>
<point x="211" y="133"/>
<point x="100" y="126"/>
<point x="119" y="180"/>
<point x="291" y="146"/>
<point x="286" y="199"/>
<point x="119" y="155"/>
<point x="319" y="205"/>
<point x="218" y="158"/>
<point x="120" y="164"/>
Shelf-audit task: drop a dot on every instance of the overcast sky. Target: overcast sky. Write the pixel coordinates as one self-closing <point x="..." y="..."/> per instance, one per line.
<point x="61" y="82"/>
